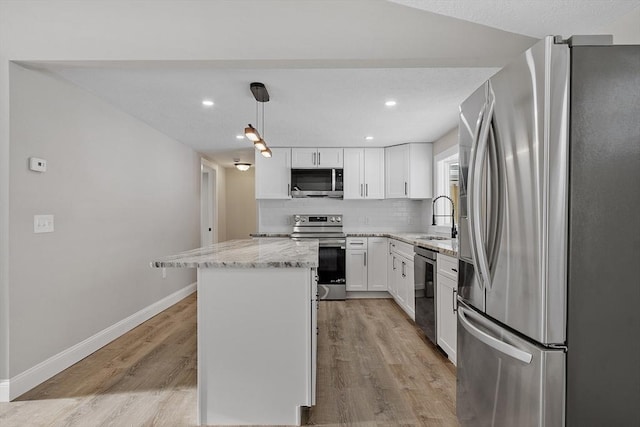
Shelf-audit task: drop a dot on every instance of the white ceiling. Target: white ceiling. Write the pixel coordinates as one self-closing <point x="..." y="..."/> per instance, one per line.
<point x="534" y="18"/>
<point x="337" y="101"/>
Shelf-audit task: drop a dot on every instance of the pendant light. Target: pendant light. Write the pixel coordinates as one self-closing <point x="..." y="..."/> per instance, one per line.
<point x="261" y="96"/>
<point x="251" y="133"/>
<point x="266" y="152"/>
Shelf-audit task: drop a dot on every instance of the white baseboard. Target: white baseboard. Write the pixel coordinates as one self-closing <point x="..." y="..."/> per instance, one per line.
<point x="368" y="294"/>
<point x="4" y="390"/>
<point x="25" y="381"/>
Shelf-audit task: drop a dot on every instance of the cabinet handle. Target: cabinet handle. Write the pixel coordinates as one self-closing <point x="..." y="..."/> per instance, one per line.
<point x="366" y="190"/>
<point x="361" y="193"/>
<point x="394" y="263"/>
<point x="453" y="302"/>
<point x="403" y="272"/>
<point x="288" y="189"/>
<point x="453" y="269"/>
<point x="356" y="243"/>
<point x="365" y="259"/>
<point x="318" y="159"/>
<point x="314" y="159"/>
<point x="405" y="188"/>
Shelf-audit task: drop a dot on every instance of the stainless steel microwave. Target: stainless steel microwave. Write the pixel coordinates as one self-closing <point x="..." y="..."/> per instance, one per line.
<point x="317" y="183"/>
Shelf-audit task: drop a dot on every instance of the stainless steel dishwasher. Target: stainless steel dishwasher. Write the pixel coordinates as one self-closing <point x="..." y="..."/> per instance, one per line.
<point x="425" y="290"/>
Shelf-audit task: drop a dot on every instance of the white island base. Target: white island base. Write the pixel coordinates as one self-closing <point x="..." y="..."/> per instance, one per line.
<point x="256" y="345"/>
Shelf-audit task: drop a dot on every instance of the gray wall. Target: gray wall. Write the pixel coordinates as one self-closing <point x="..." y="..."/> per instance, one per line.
<point x="122" y="194"/>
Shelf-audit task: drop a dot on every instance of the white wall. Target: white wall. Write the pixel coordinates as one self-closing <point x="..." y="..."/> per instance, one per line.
<point x="240" y="203"/>
<point x="122" y="194"/>
<point x="448" y="140"/>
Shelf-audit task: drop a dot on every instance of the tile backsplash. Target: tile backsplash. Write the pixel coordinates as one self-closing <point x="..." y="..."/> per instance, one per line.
<point x="399" y="215"/>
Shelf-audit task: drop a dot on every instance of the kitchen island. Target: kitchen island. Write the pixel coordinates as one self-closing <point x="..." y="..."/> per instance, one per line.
<point x="257" y="322"/>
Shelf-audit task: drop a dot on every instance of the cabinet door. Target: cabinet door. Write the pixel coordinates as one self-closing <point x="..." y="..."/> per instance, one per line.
<point x="373" y="176"/>
<point x="447" y="322"/>
<point x="353" y="173"/>
<point x="377" y="263"/>
<point x="304" y="158"/>
<point x="401" y="276"/>
<point x="391" y="272"/>
<point x="356" y="270"/>
<point x="411" y="293"/>
<point x="420" y="171"/>
<point x="330" y="158"/>
<point x="396" y="172"/>
<point x="273" y="175"/>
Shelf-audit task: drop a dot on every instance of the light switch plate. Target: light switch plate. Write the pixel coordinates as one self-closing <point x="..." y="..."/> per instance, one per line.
<point x="43" y="223"/>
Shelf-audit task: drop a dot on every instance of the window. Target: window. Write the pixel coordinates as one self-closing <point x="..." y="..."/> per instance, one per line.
<point x="446" y="184"/>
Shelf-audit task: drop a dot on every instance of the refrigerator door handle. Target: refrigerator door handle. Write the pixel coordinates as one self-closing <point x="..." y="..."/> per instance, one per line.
<point x="476" y="191"/>
<point x="492" y="342"/>
<point x="473" y="167"/>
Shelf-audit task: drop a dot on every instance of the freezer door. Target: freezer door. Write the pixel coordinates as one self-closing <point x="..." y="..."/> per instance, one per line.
<point x="503" y="380"/>
<point x="472" y="111"/>
<point x="522" y="188"/>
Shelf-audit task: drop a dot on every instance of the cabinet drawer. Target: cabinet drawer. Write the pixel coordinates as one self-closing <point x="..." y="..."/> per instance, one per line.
<point x="402" y="248"/>
<point x="448" y="266"/>
<point x="357" y="243"/>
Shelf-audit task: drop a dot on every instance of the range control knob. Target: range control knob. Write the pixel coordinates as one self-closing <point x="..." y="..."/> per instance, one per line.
<point x="296" y="218"/>
<point x="339" y="219"/>
<point x="304" y="219"/>
<point x="332" y="219"/>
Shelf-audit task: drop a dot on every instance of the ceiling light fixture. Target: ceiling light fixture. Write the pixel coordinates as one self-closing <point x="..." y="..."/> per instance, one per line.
<point x="207" y="103"/>
<point x="239" y="136"/>
<point x="261" y="96"/>
<point x="241" y="166"/>
<point x="390" y="103"/>
<point x="368" y="138"/>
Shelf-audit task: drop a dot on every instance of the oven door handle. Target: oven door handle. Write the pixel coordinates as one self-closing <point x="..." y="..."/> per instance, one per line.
<point x="338" y="243"/>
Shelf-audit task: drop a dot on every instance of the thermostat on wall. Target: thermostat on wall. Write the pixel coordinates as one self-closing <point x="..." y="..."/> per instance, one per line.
<point x="38" y="165"/>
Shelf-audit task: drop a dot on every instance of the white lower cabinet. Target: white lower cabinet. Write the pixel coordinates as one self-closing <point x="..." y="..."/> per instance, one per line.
<point x="447" y="321"/>
<point x="400" y="279"/>
<point x="377" y="263"/>
<point x="366" y="264"/>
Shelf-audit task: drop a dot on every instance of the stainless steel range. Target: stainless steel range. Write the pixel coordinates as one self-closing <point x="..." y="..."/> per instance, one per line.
<point x="332" y="253"/>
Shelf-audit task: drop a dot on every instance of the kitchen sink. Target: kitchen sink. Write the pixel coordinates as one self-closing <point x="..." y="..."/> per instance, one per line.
<point x="430" y="237"/>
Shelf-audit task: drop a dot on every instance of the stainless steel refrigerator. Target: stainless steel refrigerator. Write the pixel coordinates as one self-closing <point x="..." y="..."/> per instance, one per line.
<point x="549" y="277"/>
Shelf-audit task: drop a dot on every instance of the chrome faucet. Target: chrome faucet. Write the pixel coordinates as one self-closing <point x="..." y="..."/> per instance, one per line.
<point x="454" y="232"/>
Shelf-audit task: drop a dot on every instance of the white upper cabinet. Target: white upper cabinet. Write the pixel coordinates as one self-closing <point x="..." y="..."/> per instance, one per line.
<point x="409" y="171"/>
<point x="306" y="158"/>
<point x="273" y="175"/>
<point x="364" y="173"/>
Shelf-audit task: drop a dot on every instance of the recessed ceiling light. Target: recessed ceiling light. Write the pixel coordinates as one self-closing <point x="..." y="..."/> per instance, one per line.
<point x="207" y="103"/>
<point x="239" y="136"/>
<point x="368" y="138"/>
<point x="390" y="103"/>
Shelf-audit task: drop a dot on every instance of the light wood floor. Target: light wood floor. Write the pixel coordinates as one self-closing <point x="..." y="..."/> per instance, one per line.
<point x="374" y="369"/>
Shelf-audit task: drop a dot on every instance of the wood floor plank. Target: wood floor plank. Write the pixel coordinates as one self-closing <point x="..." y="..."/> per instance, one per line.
<point x="375" y="368"/>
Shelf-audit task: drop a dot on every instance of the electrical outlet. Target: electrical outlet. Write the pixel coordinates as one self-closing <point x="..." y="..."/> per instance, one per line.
<point x="37" y="165"/>
<point x="43" y="223"/>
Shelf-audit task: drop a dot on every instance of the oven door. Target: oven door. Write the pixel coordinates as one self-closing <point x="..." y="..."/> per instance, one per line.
<point x="331" y="269"/>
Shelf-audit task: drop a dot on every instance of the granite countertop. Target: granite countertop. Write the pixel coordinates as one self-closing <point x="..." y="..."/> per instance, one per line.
<point x="270" y="235"/>
<point x="446" y="247"/>
<point x="250" y="253"/>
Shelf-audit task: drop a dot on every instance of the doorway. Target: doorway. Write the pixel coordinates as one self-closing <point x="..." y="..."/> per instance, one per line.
<point x="208" y="229"/>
